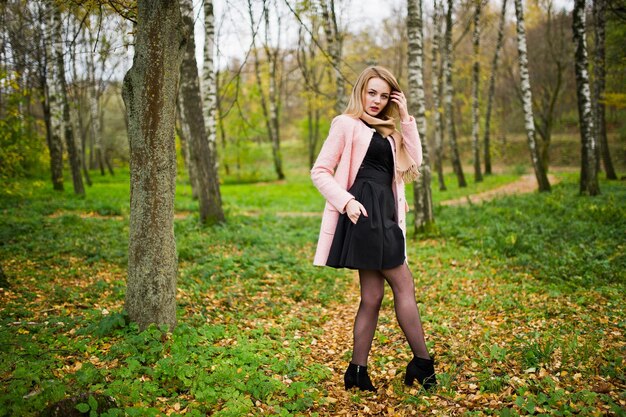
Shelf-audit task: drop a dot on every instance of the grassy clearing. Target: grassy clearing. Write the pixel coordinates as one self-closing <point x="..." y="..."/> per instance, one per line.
<point x="522" y="300"/>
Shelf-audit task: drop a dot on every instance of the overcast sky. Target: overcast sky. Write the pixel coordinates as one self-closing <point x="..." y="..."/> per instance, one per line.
<point x="233" y="21"/>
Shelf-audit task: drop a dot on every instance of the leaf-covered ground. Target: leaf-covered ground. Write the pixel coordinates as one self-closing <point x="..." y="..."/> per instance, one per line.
<point x="521" y="297"/>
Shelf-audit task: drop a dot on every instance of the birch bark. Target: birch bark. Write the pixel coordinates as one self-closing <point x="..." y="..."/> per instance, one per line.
<point x="423" y="200"/>
<point x="209" y="86"/>
<point x="94" y="108"/>
<point x="589" y="162"/>
<point x="202" y="155"/>
<point x="540" y="174"/>
<point x="478" y="176"/>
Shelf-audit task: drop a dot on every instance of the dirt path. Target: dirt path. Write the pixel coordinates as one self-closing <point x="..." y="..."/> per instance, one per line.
<point x="526" y="184"/>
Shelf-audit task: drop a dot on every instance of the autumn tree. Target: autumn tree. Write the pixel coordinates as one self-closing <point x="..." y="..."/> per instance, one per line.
<point x="334" y="40"/>
<point x="599" y="85"/>
<point x="548" y="61"/>
<point x="478" y="176"/>
<point x="588" y="170"/>
<point x="150" y="90"/>
<point x="202" y="155"/>
<point x="437" y="89"/>
<point x="529" y="123"/>
<point x="68" y="131"/>
<point x="269" y="100"/>
<point x="307" y="55"/>
<point x="448" y="96"/>
<point x="423" y="199"/>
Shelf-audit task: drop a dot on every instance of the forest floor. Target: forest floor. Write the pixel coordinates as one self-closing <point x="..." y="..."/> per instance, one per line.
<point x="521" y="298"/>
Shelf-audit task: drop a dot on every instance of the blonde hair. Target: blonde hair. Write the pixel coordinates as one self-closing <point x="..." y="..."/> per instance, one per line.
<point x="355" y="105"/>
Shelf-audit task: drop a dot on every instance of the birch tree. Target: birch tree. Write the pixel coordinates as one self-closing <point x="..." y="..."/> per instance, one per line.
<point x="202" y="155"/>
<point x="540" y="174"/>
<point x="492" y="89"/>
<point x="77" y="94"/>
<point x="274" y="91"/>
<point x="149" y="91"/>
<point x="209" y="87"/>
<point x="478" y="176"/>
<point x="423" y="199"/>
<point x="50" y="97"/>
<point x="448" y="95"/>
<point x="94" y="105"/>
<point x="68" y="131"/>
<point x="599" y="83"/>
<point x="334" y="39"/>
<point x="437" y="87"/>
<point x="269" y="101"/>
<point x="589" y="162"/>
<point x="312" y="74"/>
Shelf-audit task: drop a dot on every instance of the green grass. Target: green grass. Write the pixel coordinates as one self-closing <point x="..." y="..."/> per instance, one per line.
<point x="522" y="300"/>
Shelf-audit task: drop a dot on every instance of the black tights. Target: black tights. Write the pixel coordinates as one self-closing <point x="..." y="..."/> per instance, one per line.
<point x="372" y="290"/>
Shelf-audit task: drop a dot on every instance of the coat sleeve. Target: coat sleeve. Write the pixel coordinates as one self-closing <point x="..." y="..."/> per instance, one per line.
<point x="322" y="173"/>
<point x="411" y="140"/>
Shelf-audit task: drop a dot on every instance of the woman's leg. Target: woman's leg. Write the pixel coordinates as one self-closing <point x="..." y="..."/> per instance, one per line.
<point x="401" y="282"/>
<point x="372" y="291"/>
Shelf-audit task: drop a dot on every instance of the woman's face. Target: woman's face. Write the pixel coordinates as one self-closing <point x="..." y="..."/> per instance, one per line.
<point x="376" y="97"/>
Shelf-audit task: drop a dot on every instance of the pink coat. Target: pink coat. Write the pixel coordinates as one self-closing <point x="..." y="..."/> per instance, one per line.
<point x="344" y="149"/>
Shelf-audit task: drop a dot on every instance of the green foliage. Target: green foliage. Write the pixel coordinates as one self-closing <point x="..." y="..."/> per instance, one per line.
<point x="21" y="147"/>
<point x="556" y="236"/>
<point x="250" y="305"/>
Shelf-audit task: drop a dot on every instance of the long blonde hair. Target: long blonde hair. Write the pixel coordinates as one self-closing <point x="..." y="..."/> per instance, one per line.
<point x="355" y="105"/>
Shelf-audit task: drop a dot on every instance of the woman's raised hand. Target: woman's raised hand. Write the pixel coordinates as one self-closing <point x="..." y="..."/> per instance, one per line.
<point x="354" y="210"/>
<point x="399" y="98"/>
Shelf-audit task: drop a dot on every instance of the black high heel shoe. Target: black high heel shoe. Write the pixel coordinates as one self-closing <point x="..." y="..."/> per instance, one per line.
<point x="356" y="376"/>
<point x="423" y="370"/>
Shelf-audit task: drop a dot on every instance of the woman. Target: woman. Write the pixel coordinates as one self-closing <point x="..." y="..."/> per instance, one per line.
<point x="363" y="226"/>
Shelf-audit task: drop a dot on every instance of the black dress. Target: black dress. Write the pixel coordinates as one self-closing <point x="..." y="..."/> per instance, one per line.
<point x="375" y="241"/>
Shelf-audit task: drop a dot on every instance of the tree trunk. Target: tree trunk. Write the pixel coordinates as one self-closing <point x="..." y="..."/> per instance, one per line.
<point x="76" y="114"/>
<point x="423" y="198"/>
<point x="588" y="169"/>
<point x="335" y="45"/>
<point x="150" y="90"/>
<point x="209" y="197"/>
<point x="599" y="11"/>
<point x="478" y="176"/>
<point x="274" y="96"/>
<point x="492" y="90"/>
<point x="268" y="104"/>
<point x="74" y="157"/>
<point x="51" y="106"/>
<point x="540" y="174"/>
<point x="220" y="121"/>
<point x="183" y="134"/>
<point x="306" y="54"/>
<point x="449" y="94"/>
<point x="437" y="85"/>
<point x="209" y="89"/>
<point x="94" y="109"/>
<point x="4" y="281"/>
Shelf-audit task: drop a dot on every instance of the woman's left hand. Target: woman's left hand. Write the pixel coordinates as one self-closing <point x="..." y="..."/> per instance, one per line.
<point x="399" y="98"/>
